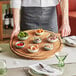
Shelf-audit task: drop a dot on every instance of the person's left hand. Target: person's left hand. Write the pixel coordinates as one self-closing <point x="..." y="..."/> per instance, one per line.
<point x="65" y="30"/>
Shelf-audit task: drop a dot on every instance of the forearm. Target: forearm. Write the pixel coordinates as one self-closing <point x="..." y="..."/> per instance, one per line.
<point x="65" y="11"/>
<point x="16" y="16"/>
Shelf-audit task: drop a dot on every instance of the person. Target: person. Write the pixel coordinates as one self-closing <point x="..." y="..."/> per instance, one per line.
<point x="33" y="14"/>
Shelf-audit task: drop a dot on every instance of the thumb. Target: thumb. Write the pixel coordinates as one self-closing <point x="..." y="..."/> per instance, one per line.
<point x="13" y="34"/>
<point x="11" y="38"/>
<point x="60" y="31"/>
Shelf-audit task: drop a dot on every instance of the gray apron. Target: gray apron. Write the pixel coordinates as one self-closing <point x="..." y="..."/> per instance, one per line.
<point x="39" y="17"/>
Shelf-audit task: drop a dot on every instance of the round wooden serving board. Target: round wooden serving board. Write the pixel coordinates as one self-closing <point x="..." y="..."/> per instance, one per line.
<point x="42" y="53"/>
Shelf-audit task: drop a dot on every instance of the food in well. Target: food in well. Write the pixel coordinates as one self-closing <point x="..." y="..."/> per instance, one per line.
<point x="22" y="35"/>
<point x="52" y="38"/>
<point x="39" y="32"/>
<point x="37" y="40"/>
<point x="20" y="44"/>
<point x="33" y="48"/>
<point x="48" y="46"/>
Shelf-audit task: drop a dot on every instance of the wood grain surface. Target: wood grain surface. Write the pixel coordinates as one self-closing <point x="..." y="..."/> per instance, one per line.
<point x="42" y="53"/>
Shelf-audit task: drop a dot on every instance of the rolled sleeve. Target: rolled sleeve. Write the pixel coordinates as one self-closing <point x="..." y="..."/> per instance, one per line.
<point x="15" y="3"/>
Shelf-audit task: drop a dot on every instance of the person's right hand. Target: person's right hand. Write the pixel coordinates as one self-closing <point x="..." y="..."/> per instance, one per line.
<point x="15" y="33"/>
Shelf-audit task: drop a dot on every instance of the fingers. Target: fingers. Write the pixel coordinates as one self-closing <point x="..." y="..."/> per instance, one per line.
<point x="64" y="32"/>
<point x="68" y="32"/>
<point x="14" y="34"/>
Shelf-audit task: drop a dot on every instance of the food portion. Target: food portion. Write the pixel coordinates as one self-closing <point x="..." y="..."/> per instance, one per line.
<point x="19" y="44"/>
<point x="22" y="35"/>
<point x="33" y="48"/>
<point x="52" y="38"/>
<point x="48" y="47"/>
<point x="39" y="32"/>
<point x="36" y="47"/>
<point x="37" y="40"/>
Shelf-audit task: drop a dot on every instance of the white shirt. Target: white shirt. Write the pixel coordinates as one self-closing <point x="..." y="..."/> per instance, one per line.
<point x="33" y="3"/>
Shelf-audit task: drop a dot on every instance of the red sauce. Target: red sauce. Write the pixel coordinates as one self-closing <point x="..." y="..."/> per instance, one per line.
<point x="20" y="44"/>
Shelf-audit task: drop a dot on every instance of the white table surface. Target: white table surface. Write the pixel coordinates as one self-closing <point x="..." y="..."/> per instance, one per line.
<point x="69" y="70"/>
<point x="14" y="61"/>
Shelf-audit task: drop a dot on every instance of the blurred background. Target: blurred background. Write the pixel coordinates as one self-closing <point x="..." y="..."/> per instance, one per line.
<point x="6" y="19"/>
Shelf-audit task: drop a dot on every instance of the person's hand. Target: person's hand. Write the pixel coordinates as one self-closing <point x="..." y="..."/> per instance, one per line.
<point x="65" y="30"/>
<point x="15" y="32"/>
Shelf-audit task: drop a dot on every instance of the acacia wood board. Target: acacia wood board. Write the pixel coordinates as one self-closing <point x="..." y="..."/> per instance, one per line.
<point x="42" y="53"/>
